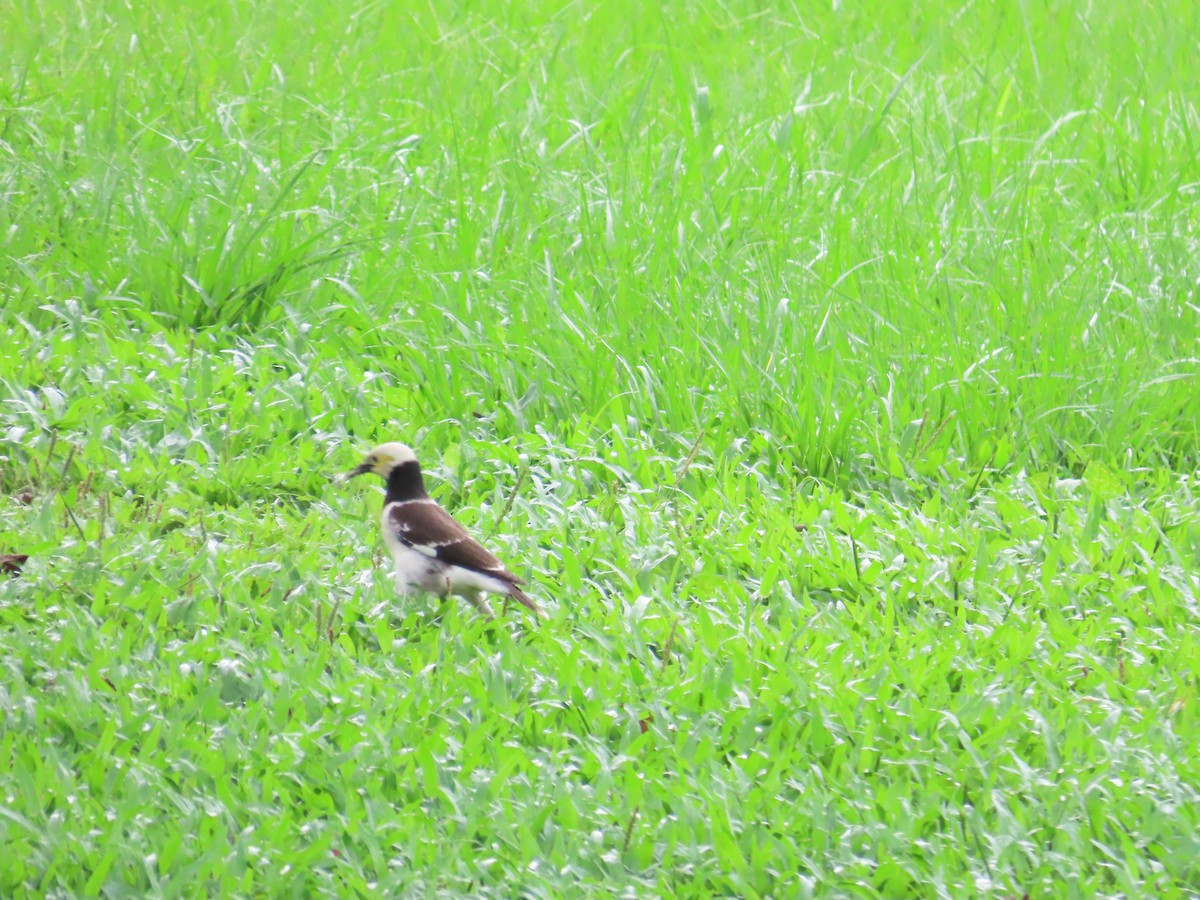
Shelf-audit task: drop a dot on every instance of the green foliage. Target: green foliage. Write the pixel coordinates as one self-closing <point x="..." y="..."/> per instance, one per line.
<point x="830" y="373"/>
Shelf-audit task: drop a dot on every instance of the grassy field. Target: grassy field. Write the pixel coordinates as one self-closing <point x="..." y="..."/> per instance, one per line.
<point x="832" y="374"/>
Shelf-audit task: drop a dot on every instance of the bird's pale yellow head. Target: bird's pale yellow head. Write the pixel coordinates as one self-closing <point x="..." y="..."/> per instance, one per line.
<point x="383" y="459"/>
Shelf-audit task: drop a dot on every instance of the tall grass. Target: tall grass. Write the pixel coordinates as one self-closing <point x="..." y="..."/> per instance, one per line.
<point x="796" y="220"/>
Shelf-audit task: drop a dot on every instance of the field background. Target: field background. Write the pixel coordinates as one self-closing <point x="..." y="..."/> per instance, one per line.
<point x="830" y="371"/>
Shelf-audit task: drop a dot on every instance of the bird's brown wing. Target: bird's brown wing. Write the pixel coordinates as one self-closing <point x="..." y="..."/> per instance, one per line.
<point x="430" y="530"/>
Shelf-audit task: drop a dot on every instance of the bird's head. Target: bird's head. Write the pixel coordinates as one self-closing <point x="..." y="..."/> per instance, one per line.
<point x="383" y="459"/>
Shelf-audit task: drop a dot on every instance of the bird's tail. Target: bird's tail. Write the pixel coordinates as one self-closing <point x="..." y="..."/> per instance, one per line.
<point x="525" y="600"/>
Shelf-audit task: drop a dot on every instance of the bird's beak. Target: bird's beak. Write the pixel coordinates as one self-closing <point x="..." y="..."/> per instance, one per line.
<point x="362" y="469"/>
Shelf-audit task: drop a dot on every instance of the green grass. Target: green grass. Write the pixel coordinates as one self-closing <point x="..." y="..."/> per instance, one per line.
<point x="831" y="373"/>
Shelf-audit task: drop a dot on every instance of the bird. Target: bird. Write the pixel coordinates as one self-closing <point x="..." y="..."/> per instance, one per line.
<point x="432" y="552"/>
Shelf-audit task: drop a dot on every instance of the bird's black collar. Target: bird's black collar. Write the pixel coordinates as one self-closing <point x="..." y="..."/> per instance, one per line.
<point x="405" y="483"/>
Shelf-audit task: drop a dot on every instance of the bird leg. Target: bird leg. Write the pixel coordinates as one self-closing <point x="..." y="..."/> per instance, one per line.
<point x="477" y="600"/>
